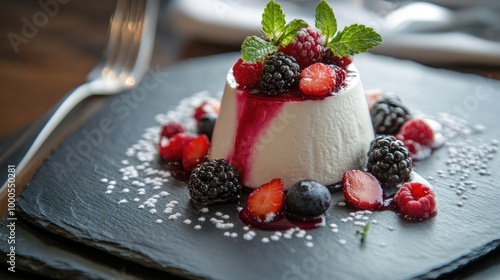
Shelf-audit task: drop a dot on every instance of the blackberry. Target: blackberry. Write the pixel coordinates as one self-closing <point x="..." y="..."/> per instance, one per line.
<point x="388" y="115"/>
<point x="214" y="181"/>
<point x="279" y="74"/>
<point x="389" y="161"/>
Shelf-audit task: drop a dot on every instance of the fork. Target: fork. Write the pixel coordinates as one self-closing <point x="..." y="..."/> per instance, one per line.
<point x="128" y="54"/>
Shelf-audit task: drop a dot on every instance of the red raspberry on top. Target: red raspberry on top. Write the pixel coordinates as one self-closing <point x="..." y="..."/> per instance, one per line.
<point x="247" y="74"/>
<point x="307" y="48"/>
<point x="343" y="62"/>
<point x="340" y="76"/>
<point x="172" y="128"/>
<point x="415" y="201"/>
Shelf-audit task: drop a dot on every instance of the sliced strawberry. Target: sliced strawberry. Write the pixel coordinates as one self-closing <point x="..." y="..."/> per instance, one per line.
<point x="195" y="151"/>
<point x="172" y="149"/>
<point x="172" y="128"/>
<point x="208" y="106"/>
<point x="267" y="201"/>
<point x="362" y="190"/>
<point x="317" y="79"/>
<point x="418" y="131"/>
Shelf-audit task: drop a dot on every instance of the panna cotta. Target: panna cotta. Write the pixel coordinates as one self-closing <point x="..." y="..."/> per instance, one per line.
<point x="293" y="137"/>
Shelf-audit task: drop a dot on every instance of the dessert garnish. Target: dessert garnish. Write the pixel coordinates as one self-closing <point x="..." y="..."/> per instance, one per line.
<point x="415" y="201"/>
<point x="267" y="201"/>
<point x="389" y="161"/>
<point x="362" y="190"/>
<point x="294" y="52"/>
<point x="214" y="181"/>
<point x="309" y="63"/>
<point x="388" y="115"/>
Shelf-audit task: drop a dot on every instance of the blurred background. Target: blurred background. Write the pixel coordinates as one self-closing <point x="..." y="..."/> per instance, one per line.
<point x="49" y="46"/>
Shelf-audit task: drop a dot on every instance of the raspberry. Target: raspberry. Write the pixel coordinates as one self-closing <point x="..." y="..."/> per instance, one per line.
<point x="340" y="76"/>
<point x="388" y="115"/>
<point x="389" y="161"/>
<point x="418" y="131"/>
<point x="317" y="80"/>
<point x="247" y="74"/>
<point x="415" y="201"/>
<point x="170" y="129"/>
<point x="210" y="105"/>
<point x="307" y="48"/>
<point x="279" y="74"/>
<point x="171" y="149"/>
<point x="342" y="62"/>
<point x="214" y="181"/>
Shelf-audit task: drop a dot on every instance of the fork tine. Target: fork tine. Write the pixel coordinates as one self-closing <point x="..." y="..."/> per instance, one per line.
<point x="114" y="36"/>
<point x="129" y="49"/>
<point x="146" y="42"/>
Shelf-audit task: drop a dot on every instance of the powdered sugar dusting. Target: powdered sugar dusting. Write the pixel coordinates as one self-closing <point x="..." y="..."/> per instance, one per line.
<point x="140" y="182"/>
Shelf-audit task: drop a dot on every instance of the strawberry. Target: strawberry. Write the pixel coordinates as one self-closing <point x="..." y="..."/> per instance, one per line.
<point x="172" y="128"/>
<point x="267" y="201"/>
<point x="317" y="79"/>
<point x="172" y="149"/>
<point x="195" y="151"/>
<point x="208" y="106"/>
<point x="419" y="131"/>
<point x="362" y="190"/>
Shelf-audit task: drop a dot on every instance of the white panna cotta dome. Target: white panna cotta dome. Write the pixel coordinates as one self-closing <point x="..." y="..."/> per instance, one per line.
<point x="293" y="138"/>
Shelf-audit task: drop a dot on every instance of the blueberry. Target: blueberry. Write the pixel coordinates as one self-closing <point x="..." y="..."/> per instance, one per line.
<point x="206" y="124"/>
<point x="308" y="198"/>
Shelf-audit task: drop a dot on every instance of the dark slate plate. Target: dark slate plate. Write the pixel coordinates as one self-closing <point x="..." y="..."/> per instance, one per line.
<point x="67" y="196"/>
<point x="38" y="253"/>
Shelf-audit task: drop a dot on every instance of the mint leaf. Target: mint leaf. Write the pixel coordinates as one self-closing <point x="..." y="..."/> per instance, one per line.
<point x="364" y="233"/>
<point x="256" y="49"/>
<point x="290" y="31"/>
<point x="273" y="21"/>
<point x="354" y="39"/>
<point x="325" y="20"/>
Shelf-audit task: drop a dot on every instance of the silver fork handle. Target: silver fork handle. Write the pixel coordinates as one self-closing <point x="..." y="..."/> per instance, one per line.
<point x="21" y="154"/>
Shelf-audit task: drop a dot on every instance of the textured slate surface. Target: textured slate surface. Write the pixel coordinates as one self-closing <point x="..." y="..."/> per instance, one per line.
<point x="66" y="196"/>
<point x="44" y="254"/>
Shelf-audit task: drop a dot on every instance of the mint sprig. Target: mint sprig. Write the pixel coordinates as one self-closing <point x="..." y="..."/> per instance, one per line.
<point x="256" y="49"/>
<point x="353" y="39"/>
<point x="325" y="20"/>
<point x="277" y="32"/>
<point x="273" y="21"/>
<point x="364" y="233"/>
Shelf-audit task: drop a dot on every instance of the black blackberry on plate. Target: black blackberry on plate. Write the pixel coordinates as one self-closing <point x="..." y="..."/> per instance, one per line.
<point x="214" y="181"/>
<point x="388" y="115"/>
<point x="279" y="74"/>
<point x="389" y="161"/>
